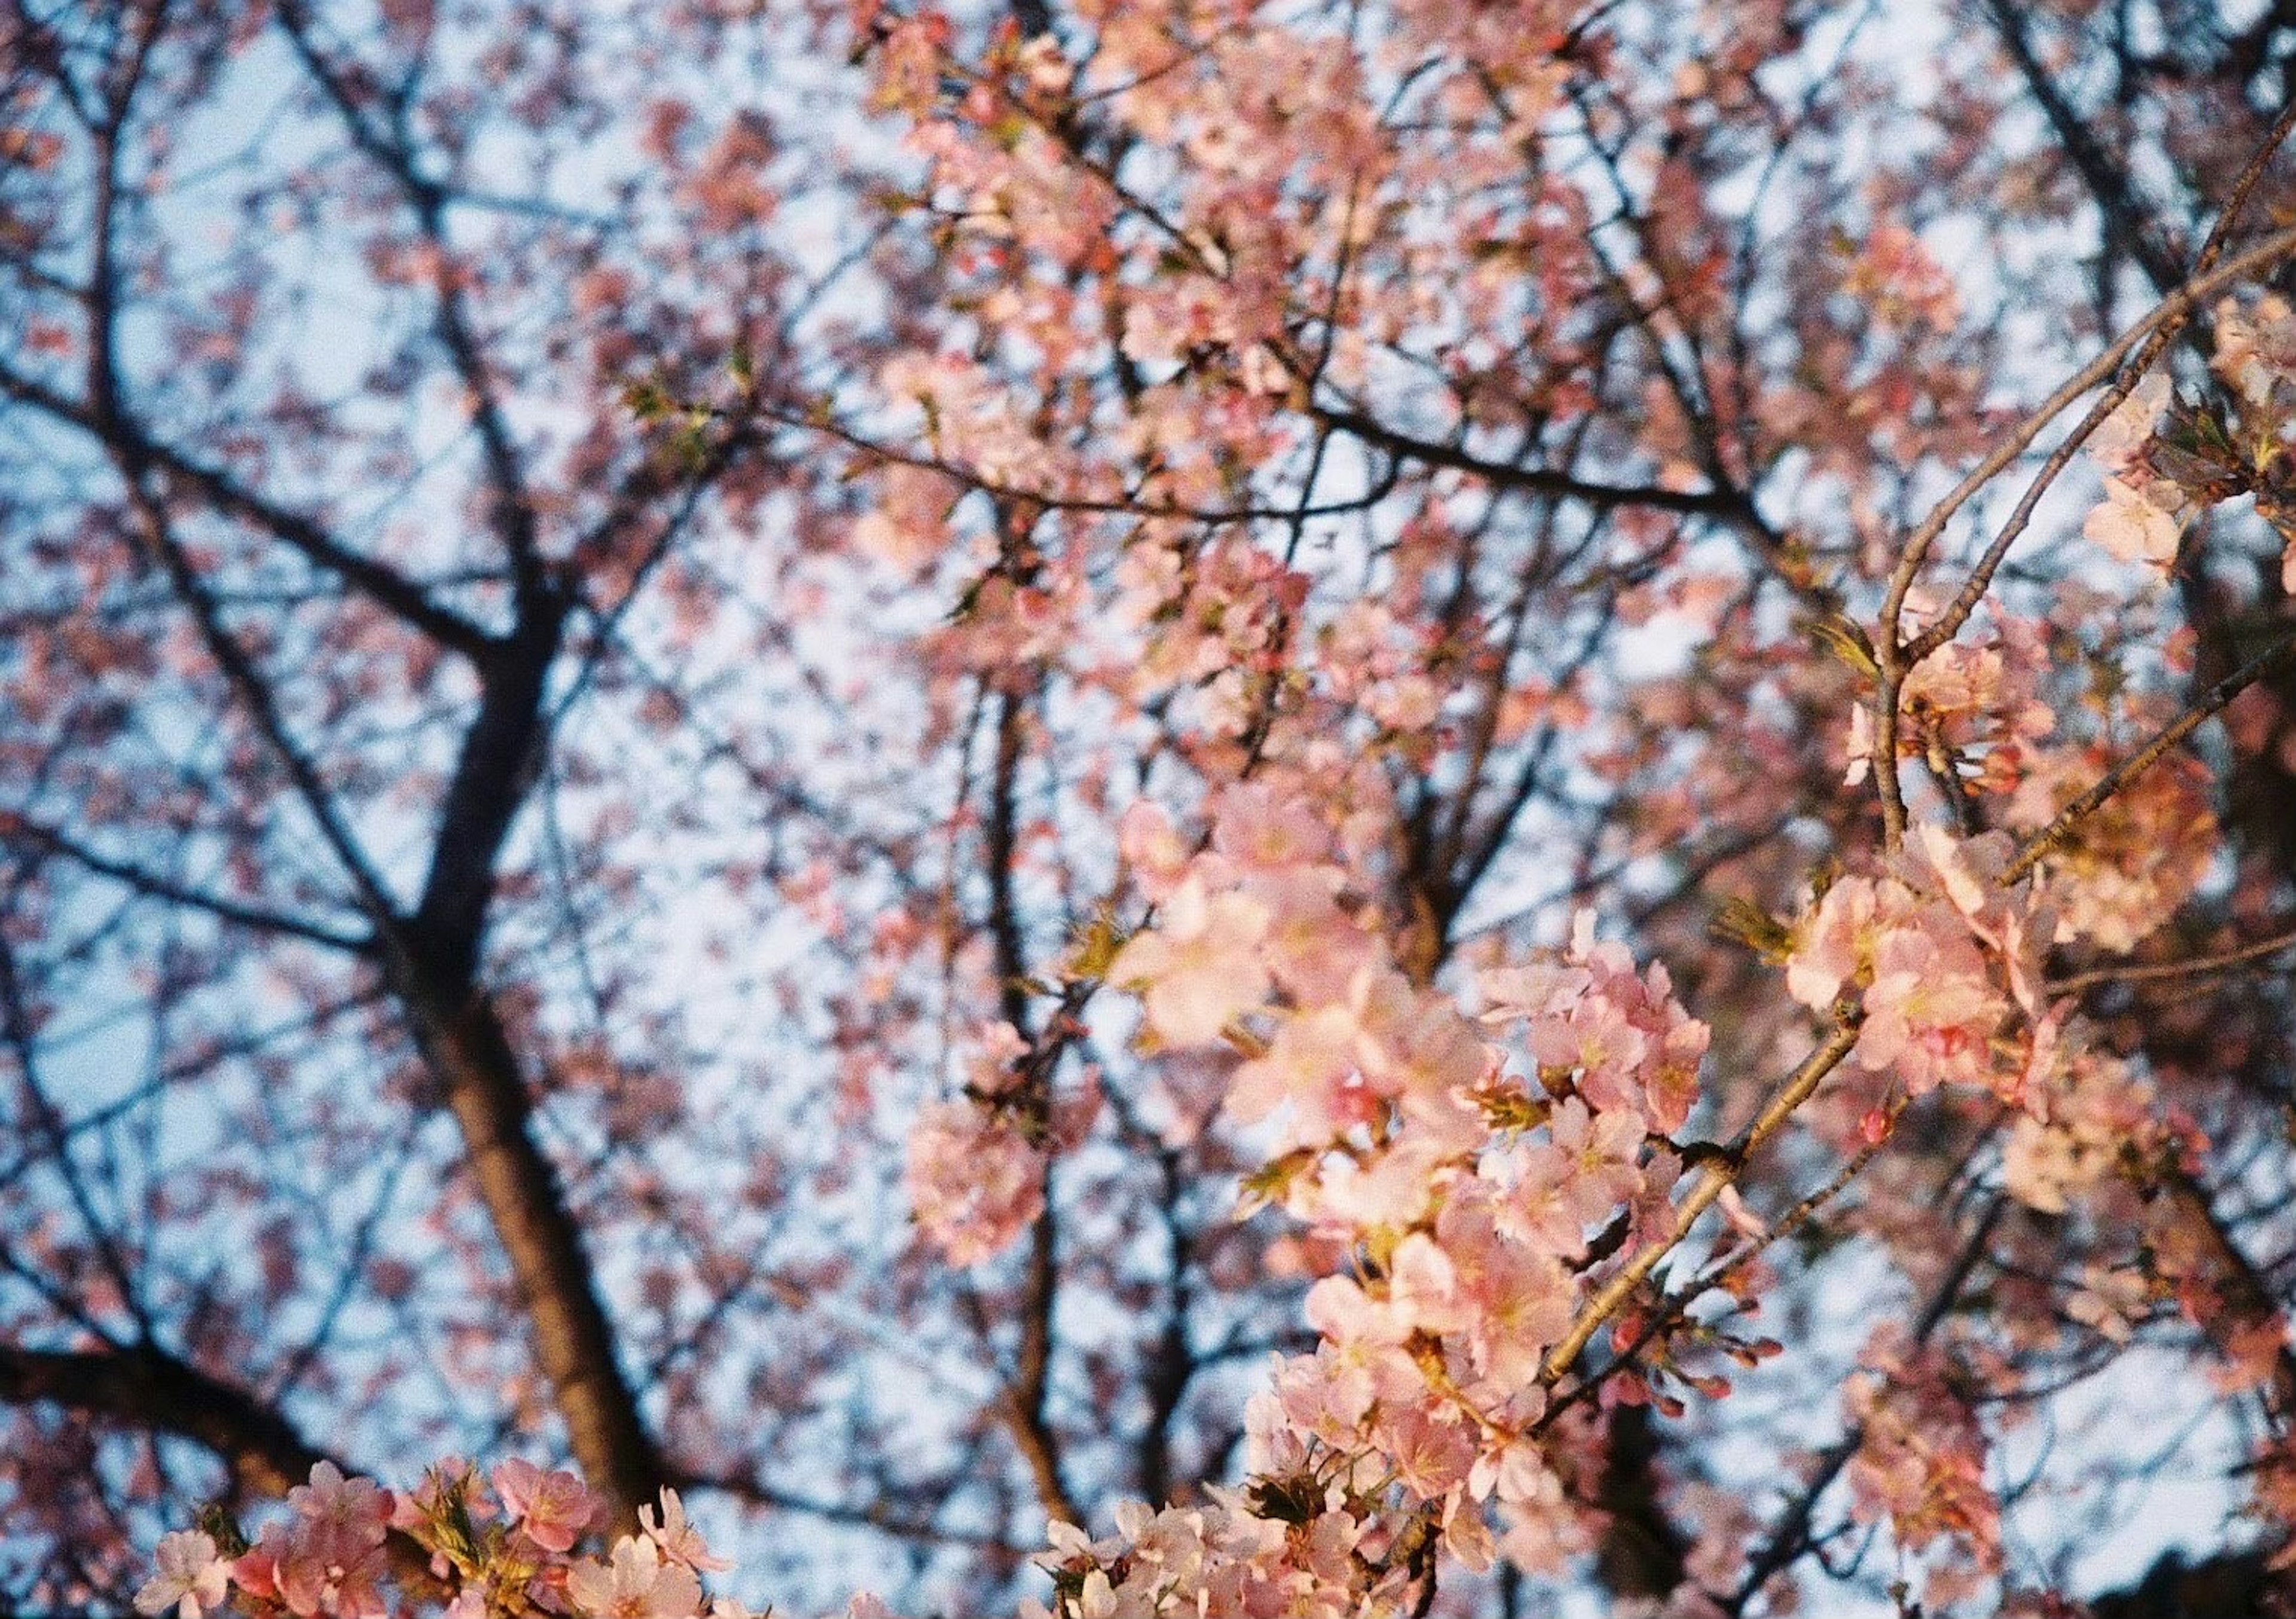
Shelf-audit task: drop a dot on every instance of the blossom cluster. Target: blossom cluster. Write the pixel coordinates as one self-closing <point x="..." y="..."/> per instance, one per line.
<point x="1935" y="953"/>
<point x="2166" y="460"/>
<point x="1975" y="711"/>
<point x="2144" y="513"/>
<point x="976" y="1165"/>
<point x="2255" y="358"/>
<point x="1319" y="1548"/>
<point x="1486" y="1171"/>
<point x="1920" y="1459"/>
<point x="1973" y="701"/>
<point x="2130" y="862"/>
<point x="349" y="1549"/>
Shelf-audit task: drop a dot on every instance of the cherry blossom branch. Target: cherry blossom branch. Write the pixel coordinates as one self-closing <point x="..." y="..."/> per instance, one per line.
<point x="2194" y="966"/>
<point x="1677" y="1306"/>
<point x="1023" y="1401"/>
<point x="2271" y="251"/>
<point x="18" y="1033"/>
<point x="512" y="508"/>
<point x="1721" y="1171"/>
<point x="255" y="694"/>
<point x="2218" y="697"/>
<point x="1891" y="654"/>
<point x="1791" y="1538"/>
<point x="1980" y="578"/>
<point x="1729" y="506"/>
<point x="2127" y="220"/>
<point x="1091" y="505"/>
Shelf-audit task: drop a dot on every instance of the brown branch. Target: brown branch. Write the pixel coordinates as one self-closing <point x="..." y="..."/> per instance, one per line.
<point x="743" y="1487"/>
<point x="127" y="439"/>
<point x="1024" y="1398"/>
<point x="2128" y="222"/>
<point x="494" y="771"/>
<point x="1172" y="1363"/>
<point x="1023" y="1402"/>
<point x="2194" y="966"/>
<point x="2217" y="698"/>
<point x="16" y="829"/>
<point x="1980" y="577"/>
<point x="1720" y="1172"/>
<point x="148" y="1389"/>
<point x="465" y="1046"/>
<point x="1729" y="506"/>
<point x="1889" y="650"/>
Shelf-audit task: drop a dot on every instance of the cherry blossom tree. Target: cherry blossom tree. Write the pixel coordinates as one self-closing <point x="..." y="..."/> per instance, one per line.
<point x="1146" y="806"/>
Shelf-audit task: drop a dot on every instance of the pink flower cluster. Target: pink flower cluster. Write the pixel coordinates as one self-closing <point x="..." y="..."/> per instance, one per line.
<point x="328" y="1557"/>
<point x="2081" y="1120"/>
<point x="1212" y="618"/>
<point x="1312" y="1548"/>
<point x="2131" y="861"/>
<point x="459" y="1553"/>
<point x="1935" y="953"/>
<point x="1465" y="1174"/>
<point x="976" y="1165"/>
<point x="2142" y="514"/>
<point x="1921" y="1454"/>
<point x="2256" y="357"/>
<point x="1974" y="701"/>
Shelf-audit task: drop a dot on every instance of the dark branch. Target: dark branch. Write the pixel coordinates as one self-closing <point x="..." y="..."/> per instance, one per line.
<point x="151" y="1390"/>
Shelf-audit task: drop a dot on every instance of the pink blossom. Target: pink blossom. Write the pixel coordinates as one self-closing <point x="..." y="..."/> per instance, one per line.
<point x="2256" y="348"/>
<point x="636" y="1584"/>
<point x="2131" y="861"/>
<point x="2138" y="524"/>
<point x="1932" y="1010"/>
<point x="1200" y="966"/>
<point x="975" y="1183"/>
<point x="1511" y="1301"/>
<point x="357" y="1507"/>
<point x="679" y="1540"/>
<point x="1833" y="944"/>
<point x="1310" y="1065"/>
<point x="1541" y="1207"/>
<point x="1255" y="826"/>
<point x="1327" y="1394"/>
<point x="552" y="1509"/>
<point x="315" y="1565"/>
<point x="1408" y="1041"/>
<point x="2121" y="438"/>
<point x="1920" y="1457"/>
<point x="1152" y="848"/>
<point x="1600" y="1150"/>
<point x="193" y="1576"/>
<point x="1431" y="1454"/>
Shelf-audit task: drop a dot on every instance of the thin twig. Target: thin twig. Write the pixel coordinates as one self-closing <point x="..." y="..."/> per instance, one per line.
<point x="2195" y="967"/>
<point x="1896" y="657"/>
<point x="1720" y="1172"/>
<point x="2218" y="696"/>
